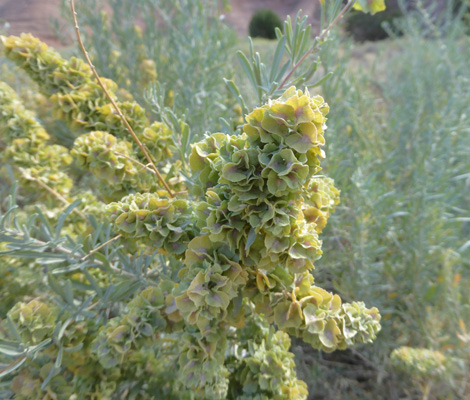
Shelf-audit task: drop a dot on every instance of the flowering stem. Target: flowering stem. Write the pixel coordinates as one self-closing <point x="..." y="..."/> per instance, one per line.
<point x="113" y="102"/>
<point x="317" y="40"/>
<point x="60" y="198"/>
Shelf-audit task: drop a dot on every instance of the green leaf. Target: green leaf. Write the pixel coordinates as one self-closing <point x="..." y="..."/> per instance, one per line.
<point x="251" y="239"/>
<point x="248" y="69"/>
<point x="11" y="351"/>
<point x="13" y="329"/>
<point x="321" y="81"/>
<point x="64" y="215"/>
<point x="55" y="286"/>
<point x="277" y="58"/>
<point x="69" y="292"/>
<point x="236" y="93"/>
<point x="12" y="367"/>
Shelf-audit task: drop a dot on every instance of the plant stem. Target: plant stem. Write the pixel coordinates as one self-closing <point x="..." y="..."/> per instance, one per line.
<point x="19" y="359"/>
<point x="146" y="167"/>
<point x="113" y="102"/>
<point x="101" y="246"/>
<point x="317" y="40"/>
<point x="60" y="198"/>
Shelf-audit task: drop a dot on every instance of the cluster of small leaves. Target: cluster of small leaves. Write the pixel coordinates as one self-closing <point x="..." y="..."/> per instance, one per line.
<point x="161" y="223"/>
<point x="25" y="146"/>
<point x="262" y="366"/>
<point x="110" y="160"/>
<point x="420" y="363"/>
<point x="77" y="98"/>
<point x="145" y="318"/>
<point x="80" y="102"/>
<point x="258" y="178"/>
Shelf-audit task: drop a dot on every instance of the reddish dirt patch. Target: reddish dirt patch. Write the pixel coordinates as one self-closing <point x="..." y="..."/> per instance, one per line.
<point x="36" y="16"/>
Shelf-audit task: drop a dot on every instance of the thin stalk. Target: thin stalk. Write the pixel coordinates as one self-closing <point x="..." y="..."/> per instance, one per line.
<point x="146" y="167"/>
<point x="60" y="198"/>
<point x="317" y="40"/>
<point x="19" y="359"/>
<point x="101" y="246"/>
<point x="113" y="102"/>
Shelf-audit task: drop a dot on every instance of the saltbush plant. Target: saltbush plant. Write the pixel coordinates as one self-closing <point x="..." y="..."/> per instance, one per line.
<point x="173" y="276"/>
<point x="263" y="24"/>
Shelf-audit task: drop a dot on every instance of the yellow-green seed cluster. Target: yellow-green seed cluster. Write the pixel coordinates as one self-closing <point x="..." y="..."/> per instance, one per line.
<point x="419" y="362"/>
<point x="159" y="222"/>
<point x="25" y="146"/>
<point x="79" y="101"/>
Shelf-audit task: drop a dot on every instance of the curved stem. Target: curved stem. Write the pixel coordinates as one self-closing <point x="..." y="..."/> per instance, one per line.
<point x="113" y="102"/>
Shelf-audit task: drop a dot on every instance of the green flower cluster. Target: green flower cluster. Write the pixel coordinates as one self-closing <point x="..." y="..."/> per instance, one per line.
<point x="157" y="138"/>
<point x="162" y="223"/>
<point x="27" y="384"/>
<point x="262" y="181"/>
<point x="211" y="279"/>
<point x="109" y="160"/>
<point x="201" y="363"/>
<point x="321" y="197"/>
<point x="78" y="100"/>
<point x="152" y="311"/>
<point x="25" y="146"/>
<point x="260" y="221"/>
<point x="305" y="310"/>
<point x="419" y="362"/>
<point x="35" y="323"/>
<point x="88" y="368"/>
<point x="35" y="320"/>
<point x="262" y="366"/>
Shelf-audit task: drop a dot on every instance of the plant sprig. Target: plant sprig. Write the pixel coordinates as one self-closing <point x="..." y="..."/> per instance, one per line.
<point x="113" y="102"/>
<point x="296" y="42"/>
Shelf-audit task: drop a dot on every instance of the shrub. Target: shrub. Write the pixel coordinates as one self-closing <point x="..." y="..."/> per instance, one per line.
<point x="364" y="27"/>
<point x="400" y="161"/>
<point x="145" y="258"/>
<point x="263" y="24"/>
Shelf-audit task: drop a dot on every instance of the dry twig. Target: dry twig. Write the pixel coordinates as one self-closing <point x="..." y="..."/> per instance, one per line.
<point x="113" y="102"/>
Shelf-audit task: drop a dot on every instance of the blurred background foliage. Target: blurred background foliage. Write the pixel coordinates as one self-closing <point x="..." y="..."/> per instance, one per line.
<point x="263" y="24"/>
<point x="398" y="146"/>
<point x="399" y="150"/>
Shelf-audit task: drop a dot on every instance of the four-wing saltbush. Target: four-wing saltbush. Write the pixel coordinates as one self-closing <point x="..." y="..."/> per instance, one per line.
<point x="197" y="293"/>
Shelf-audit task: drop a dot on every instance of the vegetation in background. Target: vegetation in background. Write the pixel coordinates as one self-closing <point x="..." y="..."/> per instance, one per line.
<point x="263" y="24"/>
<point x="183" y="47"/>
<point x="365" y="27"/>
<point x="400" y="154"/>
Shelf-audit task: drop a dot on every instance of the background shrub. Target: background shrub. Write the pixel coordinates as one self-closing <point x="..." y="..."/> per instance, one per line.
<point x="400" y="156"/>
<point x="363" y="27"/>
<point x="263" y="24"/>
